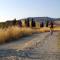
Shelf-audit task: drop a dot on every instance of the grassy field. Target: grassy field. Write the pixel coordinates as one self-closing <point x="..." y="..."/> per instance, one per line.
<point x="13" y="32"/>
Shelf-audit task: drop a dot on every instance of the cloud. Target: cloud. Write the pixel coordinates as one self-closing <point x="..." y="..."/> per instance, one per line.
<point x="5" y="18"/>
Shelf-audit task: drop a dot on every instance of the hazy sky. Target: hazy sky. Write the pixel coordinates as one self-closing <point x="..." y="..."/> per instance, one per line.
<point x="10" y="9"/>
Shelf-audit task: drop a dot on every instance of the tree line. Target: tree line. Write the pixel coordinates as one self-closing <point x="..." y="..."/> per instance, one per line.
<point x="27" y="23"/>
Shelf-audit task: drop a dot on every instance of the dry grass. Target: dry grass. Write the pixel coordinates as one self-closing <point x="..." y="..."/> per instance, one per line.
<point x="44" y="29"/>
<point x="13" y="32"/>
<point x="57" y="28"/>
<point x="58" y="42"/>
<point x="16" y="32"/>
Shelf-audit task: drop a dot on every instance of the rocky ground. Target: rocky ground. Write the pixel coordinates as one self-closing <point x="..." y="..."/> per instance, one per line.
<point x="42" y="46"/>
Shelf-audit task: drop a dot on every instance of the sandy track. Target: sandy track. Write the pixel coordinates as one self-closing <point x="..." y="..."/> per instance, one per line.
<point x="21" y="43"/>
<point x="44" y="48"/>
<point x="47" y="49"/>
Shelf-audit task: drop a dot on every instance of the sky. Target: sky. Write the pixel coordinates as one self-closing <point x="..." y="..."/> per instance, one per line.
<point x="10" y="9"/>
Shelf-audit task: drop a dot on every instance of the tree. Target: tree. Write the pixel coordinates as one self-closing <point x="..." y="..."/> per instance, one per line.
<point x="47" y="22"/>
<point x="51" y="24"/>
<point x="27" y="23"/>
<point x="41" y="24"/>
<point x="33" y="23"/>
<point x="20" y="23"/>
<point x="14" y="22"/>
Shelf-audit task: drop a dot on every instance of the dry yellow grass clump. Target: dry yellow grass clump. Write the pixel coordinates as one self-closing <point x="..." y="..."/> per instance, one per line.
<point x="13" y="32"/>
<point x="27" y="31"/>
<point x="57" y="28"/>
<point x="58" y="42"/>
<point x="44" y="29"/>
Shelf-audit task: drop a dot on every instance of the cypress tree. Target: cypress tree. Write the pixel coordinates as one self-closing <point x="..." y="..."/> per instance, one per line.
<point x="41" y="24"/>
<point x="20" y="23"/>
<point x="47" y="22"/>
<point x="33" y="23"/>
<point x="51" y="24"/>
<point x="14" y="22"/>
<point x="27" y="23"/>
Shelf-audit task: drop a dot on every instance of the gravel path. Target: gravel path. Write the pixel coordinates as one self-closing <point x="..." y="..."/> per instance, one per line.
<point x="18" y="43"/>
<point x="42" y="46"/>
<point x="24" y="42"/>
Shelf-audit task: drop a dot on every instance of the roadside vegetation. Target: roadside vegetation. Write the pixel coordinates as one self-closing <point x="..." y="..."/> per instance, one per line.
<point x="58" y="42"/>
<point x="13" y="30"/>
<point x="13" y="33"/>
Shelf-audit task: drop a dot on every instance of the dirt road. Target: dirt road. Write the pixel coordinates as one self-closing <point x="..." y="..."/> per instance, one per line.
<point x="41" y="46"/>
<point x="21" y="43"/>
